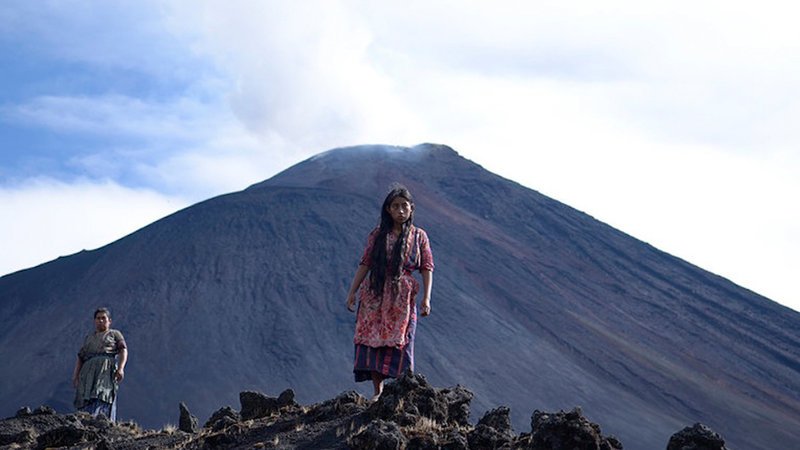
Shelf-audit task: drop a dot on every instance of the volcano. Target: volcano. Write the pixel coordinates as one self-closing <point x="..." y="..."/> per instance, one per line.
<point x="535" y="305"/>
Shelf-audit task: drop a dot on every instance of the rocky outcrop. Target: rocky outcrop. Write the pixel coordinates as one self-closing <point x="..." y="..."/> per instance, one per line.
<point x="493" y="430"/>
<point x="43" y="428"/>
<point x="696" y="437"/>
<point x="256" y="405"/>
<point x="223" y="418"/>
<point x="186" y="421"/>
<point x="568" y="430"/>
<point x="411" y="414"/>
<point x="411" y="397"/>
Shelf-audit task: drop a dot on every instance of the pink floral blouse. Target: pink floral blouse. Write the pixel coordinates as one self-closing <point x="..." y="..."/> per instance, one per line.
<point x="383" y="320"/>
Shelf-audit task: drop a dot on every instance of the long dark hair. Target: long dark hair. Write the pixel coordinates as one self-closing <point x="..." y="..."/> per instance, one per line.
<point x="378" y="269"/>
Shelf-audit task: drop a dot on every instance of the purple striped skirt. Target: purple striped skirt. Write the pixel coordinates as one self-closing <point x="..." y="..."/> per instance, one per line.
<point x="389" y="361"/>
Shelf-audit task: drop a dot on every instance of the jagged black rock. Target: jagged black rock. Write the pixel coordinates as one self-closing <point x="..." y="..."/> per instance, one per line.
<point x="411" y="414"/>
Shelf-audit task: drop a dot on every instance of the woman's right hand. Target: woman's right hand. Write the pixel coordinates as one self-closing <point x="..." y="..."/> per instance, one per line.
<point x="351" y="302"/>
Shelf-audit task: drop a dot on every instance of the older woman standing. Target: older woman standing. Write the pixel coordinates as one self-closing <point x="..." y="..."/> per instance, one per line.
<point x="97" y="374"/>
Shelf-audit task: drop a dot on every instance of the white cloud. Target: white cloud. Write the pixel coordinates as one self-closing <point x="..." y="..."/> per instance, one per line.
<point x="716" y="73"/>
<point x="229" y="162"/>
<point x="50" y="218"/>
<point x="301" y="71"/>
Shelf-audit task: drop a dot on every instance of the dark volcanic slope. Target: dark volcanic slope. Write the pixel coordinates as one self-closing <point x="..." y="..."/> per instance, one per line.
<point x="535" y="305"/>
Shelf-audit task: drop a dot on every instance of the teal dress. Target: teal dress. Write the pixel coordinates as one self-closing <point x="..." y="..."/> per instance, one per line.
<point x="97" y="388"/>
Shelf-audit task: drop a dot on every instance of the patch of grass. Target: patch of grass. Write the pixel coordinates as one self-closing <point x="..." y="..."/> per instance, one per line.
<point x="424" y="425"/>
<point x="169" y="428"/>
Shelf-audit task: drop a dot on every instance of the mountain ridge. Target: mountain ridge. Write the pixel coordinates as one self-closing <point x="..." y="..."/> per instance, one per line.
<point x="534" y="303"/>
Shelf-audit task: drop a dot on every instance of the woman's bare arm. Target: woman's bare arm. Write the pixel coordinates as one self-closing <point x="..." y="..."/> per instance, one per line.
<point x="427" y="285"/>
<point x="361" y="273"/>
<point x="123" y="359"/>
<point x="77" y="372"/>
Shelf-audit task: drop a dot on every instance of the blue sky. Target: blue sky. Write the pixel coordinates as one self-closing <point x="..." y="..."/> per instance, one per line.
<point x="673" y="122"/>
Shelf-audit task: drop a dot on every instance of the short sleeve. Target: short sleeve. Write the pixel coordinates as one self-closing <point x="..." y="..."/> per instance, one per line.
<point x="426" y="256"/>
<point x="366" y="258"/>
<point x="120" y="341"/>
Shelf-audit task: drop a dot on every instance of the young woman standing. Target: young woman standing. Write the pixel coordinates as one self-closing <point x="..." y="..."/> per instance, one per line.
<point x="386" y="319"/>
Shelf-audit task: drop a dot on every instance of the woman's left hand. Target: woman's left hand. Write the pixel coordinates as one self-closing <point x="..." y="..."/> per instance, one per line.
<point x="425" y="308"/>
<point x="119" y="375"/>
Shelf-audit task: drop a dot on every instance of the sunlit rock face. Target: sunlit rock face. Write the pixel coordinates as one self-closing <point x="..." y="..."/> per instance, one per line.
<point x="535" y="306"/>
